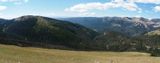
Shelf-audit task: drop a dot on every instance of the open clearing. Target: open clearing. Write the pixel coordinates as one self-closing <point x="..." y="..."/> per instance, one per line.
<point x="14" y="54"/>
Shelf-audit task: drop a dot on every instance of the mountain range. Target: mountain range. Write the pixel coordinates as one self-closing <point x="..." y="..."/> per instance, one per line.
<point x="83" y="33"/>
<point x="131" y="26"/>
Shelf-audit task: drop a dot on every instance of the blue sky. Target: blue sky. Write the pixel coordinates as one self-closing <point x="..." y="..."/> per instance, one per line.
<point x="78" y="8"/>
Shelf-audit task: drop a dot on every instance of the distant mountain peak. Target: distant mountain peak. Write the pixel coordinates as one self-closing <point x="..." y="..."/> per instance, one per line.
<point x="128" y="25"/>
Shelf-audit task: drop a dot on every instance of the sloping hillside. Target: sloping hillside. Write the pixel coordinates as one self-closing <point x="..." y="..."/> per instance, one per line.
<point x="14" y="54"/>
<point x="46" y="31"/>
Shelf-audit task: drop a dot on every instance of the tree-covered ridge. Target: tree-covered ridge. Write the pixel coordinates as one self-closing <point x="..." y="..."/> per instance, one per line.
<point x="48" y="31"/>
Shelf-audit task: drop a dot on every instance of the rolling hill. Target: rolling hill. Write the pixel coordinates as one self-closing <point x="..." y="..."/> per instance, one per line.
<point x="45" y="32"/>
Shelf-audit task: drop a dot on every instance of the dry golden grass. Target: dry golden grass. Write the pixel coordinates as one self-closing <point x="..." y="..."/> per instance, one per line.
<point x="14" y="54"/>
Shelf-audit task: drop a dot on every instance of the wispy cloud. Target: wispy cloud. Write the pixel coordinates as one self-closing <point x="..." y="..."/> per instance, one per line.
<point x="13" y="0"/>
<point x="145" y="1"/>
<point x="2" y="8"/>
<point x="157" y="8"/>
<point x="126" y="4"/>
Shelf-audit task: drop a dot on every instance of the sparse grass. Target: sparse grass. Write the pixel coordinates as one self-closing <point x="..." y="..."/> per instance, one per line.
<point x="14" y="54"/>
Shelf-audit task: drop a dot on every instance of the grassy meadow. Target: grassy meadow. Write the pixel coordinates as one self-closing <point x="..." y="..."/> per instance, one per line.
<point x="15" y="54"/>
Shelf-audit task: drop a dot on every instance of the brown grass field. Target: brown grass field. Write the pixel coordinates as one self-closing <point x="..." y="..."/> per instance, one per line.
<point x="14" y="54"/>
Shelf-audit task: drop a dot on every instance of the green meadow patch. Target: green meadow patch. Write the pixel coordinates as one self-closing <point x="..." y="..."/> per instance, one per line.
<point x="14" y="54"/>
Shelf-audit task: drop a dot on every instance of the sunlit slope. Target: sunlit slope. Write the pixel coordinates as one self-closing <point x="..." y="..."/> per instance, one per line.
<point x="14" y="54"/>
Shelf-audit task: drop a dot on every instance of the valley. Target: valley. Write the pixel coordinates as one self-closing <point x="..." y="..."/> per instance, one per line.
<point x="46" y="32"/>
<point x="79" y="31"/>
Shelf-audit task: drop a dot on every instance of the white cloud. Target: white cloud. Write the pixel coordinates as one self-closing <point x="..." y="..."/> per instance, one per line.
<point x="11" y="1"/>
<point x="2" y="8"/>
<point x="3" y="0"/>
<point x="14" y="1"/>
<point x="157" y="8"/>
<point x="145" y="1"/>
<point x="85" y="8"/>
<point x="126" y="4"/>
<point x="89" y="6"/>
